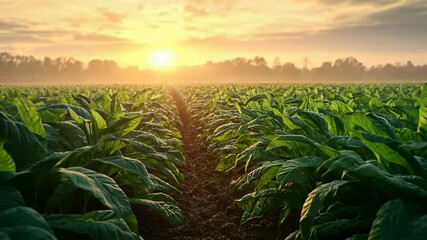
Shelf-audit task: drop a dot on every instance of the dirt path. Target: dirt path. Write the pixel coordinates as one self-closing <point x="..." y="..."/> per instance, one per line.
<point x="205" y="200"/>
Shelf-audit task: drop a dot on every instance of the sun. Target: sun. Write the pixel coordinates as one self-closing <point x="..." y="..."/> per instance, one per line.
<point x="161" y="58"/>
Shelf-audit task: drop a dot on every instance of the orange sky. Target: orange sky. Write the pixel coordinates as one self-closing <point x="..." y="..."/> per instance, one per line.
<point x="196" y="31"/>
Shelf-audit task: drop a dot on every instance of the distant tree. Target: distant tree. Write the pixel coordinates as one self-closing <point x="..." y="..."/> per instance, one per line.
<point x="276" y="63"/>
<point x="259" y="61"/>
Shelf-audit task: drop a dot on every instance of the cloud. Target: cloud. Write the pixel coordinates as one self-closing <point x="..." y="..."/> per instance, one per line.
<point x="215" y="42"/>
<point x="279" y="35"/>
<point x="195" y="10"/>
<point x="414" y="13"/>
<point x="87" y="51"/>
<point x="356" y="2"/>
<point x="29" y="35"/>
<point x="96" y="37"/>
<point x="10" y="25"/>
<point x="21" y="38"/>
<point x="201" y="8"/>
<point x="78" y="22"/>
<point x="111" y="16"/>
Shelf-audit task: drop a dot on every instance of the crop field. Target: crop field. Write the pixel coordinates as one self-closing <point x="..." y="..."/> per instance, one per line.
<point x="266" y="161"/>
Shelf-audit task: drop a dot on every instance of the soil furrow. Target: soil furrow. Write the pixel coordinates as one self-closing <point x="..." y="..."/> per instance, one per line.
<point x="206" y="201"/>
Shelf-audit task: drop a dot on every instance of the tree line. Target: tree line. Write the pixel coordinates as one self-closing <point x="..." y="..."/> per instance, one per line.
<point x="342" y="69"/>
<point x="28" y="68"/>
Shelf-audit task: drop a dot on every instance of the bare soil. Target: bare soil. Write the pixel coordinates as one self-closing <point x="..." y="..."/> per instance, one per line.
<point x="206" y="200"/>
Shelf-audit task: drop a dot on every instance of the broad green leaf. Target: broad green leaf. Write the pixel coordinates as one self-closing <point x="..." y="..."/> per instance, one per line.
<point x="398" y="219"/>
<point x="105" y="102"/>
<point x="6" y="162"/>
<point x="100" y="123"/>
<point x="374" y="176"/>
<point x="257" y="204"/>
<point x="226" y="163"/>
<point x="109" y="145"/>
<point x="100" y="225"/>
<point x="164" y="205"/>
<point x="285" y="120"/>
<point x="422" y="122"/>
<point x="309" y="104"/>
<point x="10" y="197"/>
<point x="385" y="155"/>
<point x="21" y="144"/>
<point x="284" y="140"/>
<point x="264" y="173"/>
<point x="129" y="165"/>
<point x="315" y="120"/>
<point x="315" y="202"/>
<point x="66" y="134"/>
<point x="295" y="170"/>
<point x="103" y="188"/>
<point x="53" y="115"/>
<point x="364" y="122"/>
<point x="77" y="111"/>
<point x="61" y="197"/>
<point x="255" y="98"/>
<point x="123" y="126"/>
<point x="25" y="233"/>
<point x="340" y="107"/>
<point x="24" y="223"/>
<point x="30" y="117"/>
<point x="338" y="227"/>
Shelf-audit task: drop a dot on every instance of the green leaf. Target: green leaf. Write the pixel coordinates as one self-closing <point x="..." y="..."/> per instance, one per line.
<point x="315" y="119"/>
<point x="340" y="107"/>
<point x="295" y="170"/>
<point x="164" y="205"/>
<point x="259" y="203"/>
<point x="30" y="117"/>
<point x="97" y="224"/>
<point x="314" y="203"/>
<point x="129" y="165"/>
<point x="61" y="196"/>
<point x="65" y="135"/>
<point x="103" y="188"/>
<point x="422" y="122"/>
<point x="22" y="145"/>
<point x="264" y="173"/>
<point x="338" y="227"/>
<point x="362" y="121"/>
<point x="100" y="122"/>
<point x="24" y="223"/>
<point x="256" y="98"/>
<point x="396" y="186"/>
<point x="284" y="140"/>
<point x="25" y="233"/>
<point x="10" y="197"/>
<point x="123" y="126"/>
<point x="53" y="115"/>
<point x="6" y="162"/>
<point x="385" y="154"/>
<point x="398" y="219"/>
<point x="77" y="111"/>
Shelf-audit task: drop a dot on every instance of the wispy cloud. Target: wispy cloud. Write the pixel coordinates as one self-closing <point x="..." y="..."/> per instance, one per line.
<point x="376" y="2"/>
<point x="11" y="25"/>
<point x="95" y="37"/>
<point x="195" y="10"/>
<point x="111" y="16"/>
<point x="209" y="7"/>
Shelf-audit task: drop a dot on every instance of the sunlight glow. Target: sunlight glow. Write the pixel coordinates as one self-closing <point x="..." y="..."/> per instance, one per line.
<point x="161" y="59"/>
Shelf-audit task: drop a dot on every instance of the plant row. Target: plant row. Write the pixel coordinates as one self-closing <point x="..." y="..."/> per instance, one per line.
<point x="351" y="160"/>
<point x="74" y="160"/>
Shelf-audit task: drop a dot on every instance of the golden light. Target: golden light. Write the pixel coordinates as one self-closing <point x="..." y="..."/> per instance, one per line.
<point x="161" y="59"/>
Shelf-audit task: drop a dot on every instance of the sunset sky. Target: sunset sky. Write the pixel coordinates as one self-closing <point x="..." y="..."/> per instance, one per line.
<point x="196" y="31"/>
